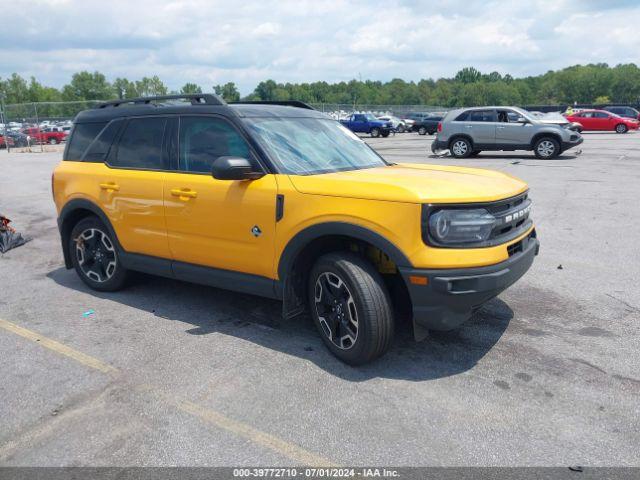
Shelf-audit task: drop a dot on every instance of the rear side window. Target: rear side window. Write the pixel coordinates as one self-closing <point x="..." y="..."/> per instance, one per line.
<point x="81" y="137"/>
<point x="140" y="145"/>
<point x="462" y="117"/>
<point x="482" y="116"/>
<point x="203" y="139"/>
<point x="99" y="149"/>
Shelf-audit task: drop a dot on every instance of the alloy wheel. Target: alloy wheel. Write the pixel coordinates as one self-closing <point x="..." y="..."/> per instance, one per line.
<point x="336" y="310"/>
<point x="460" y="148"/>
<point x="546" y="148"/>
<point x="96" y="255"/>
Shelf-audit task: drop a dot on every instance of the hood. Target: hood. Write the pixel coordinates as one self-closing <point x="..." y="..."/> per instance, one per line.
<point x="414" y="183"/>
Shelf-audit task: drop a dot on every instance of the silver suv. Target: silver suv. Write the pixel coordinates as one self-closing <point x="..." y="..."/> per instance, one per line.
<point x="466" y="132"/>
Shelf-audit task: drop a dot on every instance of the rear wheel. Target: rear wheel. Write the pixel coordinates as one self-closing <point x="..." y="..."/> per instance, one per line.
<point x="546" y="148"/>
<point x="375" y="132"/>
<point x="53" y="141"/>
<point x="401" y="128"/>
<point x="422" y="131"/>
<point x="94" y="256"/>
<point x="621" y="128"/>
<point x="460" y="148"/>
<point x="351" y="308"/>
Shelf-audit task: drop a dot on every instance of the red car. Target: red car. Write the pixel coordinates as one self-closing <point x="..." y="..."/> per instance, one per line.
<point x="3" y="142"/>
<point x="45" y="135"/>
<point x="603" y="120"/>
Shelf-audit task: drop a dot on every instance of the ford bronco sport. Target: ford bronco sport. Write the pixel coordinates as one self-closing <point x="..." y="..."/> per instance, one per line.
<point x="283" y="202"/>
<point x="467" y="132"/>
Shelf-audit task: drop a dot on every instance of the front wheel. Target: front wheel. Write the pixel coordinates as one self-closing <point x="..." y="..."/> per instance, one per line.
<point x="621" y="128"/>
<point x="401" y="128"/>
<point x="53" y="141"/>
<point x="94" y="256"/>
<point x="351" y="308"/>
<point x="546" y="148"/>
<point x="422" y="131"/>
<point x="375" y="132"/>
<point x="386" y="133"/>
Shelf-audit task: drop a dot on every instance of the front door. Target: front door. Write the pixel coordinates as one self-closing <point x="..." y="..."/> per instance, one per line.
<point x="225" y="224"/>
<point x="509" y="131"/>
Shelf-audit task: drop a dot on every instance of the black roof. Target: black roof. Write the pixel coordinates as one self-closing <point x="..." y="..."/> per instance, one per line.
<point x="203" y="103"/>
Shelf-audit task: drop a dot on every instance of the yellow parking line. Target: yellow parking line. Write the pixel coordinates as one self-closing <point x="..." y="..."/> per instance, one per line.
<point x="298" y="454"/>
<point x="58" y="347"/>
<point x="294" y="452"/>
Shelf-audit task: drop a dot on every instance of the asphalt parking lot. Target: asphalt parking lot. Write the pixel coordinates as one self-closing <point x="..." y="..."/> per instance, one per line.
<point x="169" y="373"/>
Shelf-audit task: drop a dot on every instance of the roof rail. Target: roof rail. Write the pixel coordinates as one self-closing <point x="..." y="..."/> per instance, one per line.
<point x="195" y="98"/>
<point x="286" y="103"/>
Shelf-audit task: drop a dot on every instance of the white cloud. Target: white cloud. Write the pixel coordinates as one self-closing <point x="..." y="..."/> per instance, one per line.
<point x="214" y="41"/>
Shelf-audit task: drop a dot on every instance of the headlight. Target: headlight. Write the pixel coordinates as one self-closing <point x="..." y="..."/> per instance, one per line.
<point x="460" y="226"/>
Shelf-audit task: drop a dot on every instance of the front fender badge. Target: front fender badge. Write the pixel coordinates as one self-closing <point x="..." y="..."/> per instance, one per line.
<point x="256" y="231"/>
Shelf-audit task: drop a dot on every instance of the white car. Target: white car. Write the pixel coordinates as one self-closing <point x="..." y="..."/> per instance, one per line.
<point x="397" y="124"/>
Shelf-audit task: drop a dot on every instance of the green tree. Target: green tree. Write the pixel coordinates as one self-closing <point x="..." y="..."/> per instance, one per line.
<point x="188" y="88"/>
<point x="228" y="91"/>
<point x="124" y="88"/>
<point x="88" y="86"/>
<point x="150" y="87"/>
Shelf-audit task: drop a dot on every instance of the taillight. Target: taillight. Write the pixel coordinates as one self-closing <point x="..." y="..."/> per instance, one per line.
<point x="439" y="126"/>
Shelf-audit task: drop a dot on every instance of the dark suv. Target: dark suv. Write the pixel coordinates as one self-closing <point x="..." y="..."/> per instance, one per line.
<point x="627" y="112"/>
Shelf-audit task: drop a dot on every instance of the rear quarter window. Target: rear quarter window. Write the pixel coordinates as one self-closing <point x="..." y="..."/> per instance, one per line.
<point x="82" y="135"/>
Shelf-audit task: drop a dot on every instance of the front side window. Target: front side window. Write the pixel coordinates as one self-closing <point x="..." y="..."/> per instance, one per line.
<point x="308" y="146"/>
<point x="203" y="139"/>
<point x="601" y="115"/>
<point x="140" y="144"/>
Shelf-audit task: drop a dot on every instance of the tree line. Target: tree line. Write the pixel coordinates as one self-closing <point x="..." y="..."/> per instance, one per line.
<point x="593" y="83"/>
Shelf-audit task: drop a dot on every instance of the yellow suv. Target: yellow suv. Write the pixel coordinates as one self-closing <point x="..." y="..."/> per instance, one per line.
<point x="281" y="201"/>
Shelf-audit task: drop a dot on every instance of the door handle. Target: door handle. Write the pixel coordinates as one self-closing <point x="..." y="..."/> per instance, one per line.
<point x="110" y="186"/>
<point x="500" y="128"/>
<point x="183" y="192"/>
<point x="468" y="126"/>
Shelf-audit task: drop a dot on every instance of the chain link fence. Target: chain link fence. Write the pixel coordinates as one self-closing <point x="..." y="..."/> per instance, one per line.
<point x="29" y="125"/>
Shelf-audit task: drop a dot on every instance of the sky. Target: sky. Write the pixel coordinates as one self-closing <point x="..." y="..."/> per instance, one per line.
<point x="211" y="42"/>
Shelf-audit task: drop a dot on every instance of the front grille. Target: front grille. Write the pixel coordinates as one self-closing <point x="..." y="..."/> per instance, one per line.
<point x="512" y="215"/>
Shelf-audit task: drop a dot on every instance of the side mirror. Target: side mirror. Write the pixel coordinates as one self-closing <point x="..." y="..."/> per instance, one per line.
<point x="522" y="120"/>
<point x="234" y="168"/>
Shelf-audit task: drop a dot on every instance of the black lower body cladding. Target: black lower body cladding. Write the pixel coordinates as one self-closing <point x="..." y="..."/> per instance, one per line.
<point x="450" y="296"/>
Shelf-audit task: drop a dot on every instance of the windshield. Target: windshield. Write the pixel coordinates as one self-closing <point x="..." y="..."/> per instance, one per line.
<point x="308" y="146"/>
<point x="370" y="117"/>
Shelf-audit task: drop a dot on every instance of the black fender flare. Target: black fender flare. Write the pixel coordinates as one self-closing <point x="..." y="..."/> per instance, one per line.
<point x="302" y="238"/>
<point x="68" y="211"/>
<point x="540" y="135"/>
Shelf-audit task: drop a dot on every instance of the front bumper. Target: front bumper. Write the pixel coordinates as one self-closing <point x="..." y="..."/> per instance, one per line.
<point x="451" y="296"/>
<point x="573" y="143"/>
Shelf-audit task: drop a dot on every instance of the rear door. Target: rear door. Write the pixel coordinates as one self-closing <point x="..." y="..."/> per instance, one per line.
<point x="481" y="125"/>
<point x="129" y="186"/>
<point x="225" y="224"/>
<point x="603" y="121"/>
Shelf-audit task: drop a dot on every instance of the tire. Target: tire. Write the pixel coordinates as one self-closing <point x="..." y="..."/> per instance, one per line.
<point x="106" y="275"/>
<point x="401" y="128"/>
<point x="53" y="141"/>
<point x="546" y="148"/>
<point x="422" y="131"/>
<point x="460" y="147"/>
<point x="386" y="133"/>
<point x="621" y="128"/>
<point x="375" y="132"/>
<point x="349" y="288"/>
